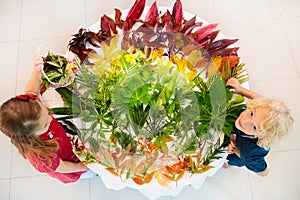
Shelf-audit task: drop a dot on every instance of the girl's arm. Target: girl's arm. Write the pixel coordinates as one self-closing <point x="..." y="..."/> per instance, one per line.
<point x="69" y="167"/>
<point x="235" y="84"/>
<point x="34" y="82"/>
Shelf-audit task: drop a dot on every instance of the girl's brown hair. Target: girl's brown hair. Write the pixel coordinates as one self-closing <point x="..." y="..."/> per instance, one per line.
<point x="19" y="120"/>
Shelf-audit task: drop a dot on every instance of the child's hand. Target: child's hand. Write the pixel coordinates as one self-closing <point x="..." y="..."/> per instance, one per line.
<point x="83" y="167"/>
<point x="38" y="62"/>
<point x="235" y="84"/>
<point x="231" y="147"/>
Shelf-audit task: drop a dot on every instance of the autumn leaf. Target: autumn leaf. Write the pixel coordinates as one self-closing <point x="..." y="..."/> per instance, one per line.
<point x="138" y="180"/>
<point x="162" y="180"/>
<point x="112" y="171"/>
<point x="148" y="178"/>
<point x="203" y="168"/>
<point x="214" y="65"/>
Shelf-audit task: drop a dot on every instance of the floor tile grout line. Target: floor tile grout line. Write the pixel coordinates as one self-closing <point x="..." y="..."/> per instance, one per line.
<point x="290" y="46"/>
<point x="18" y="45"/>
<point x="10" y="172"/>
<point x="45" y="38"/>
<point x="30" y="176"/>
<point x="16" y="83"/>
<point x="251" y="189"/>
<point x="286" y="150"/>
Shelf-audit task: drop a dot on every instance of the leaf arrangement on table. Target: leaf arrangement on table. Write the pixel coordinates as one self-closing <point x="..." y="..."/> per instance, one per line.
<point x="150" y="94"/>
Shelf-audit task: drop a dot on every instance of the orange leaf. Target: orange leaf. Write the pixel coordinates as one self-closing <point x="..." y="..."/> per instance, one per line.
<point x="199" y="155"/>
<point x="180" y="175"/>
<point x="112" y="170"/>
<point x="233" y="60"/>
<point x="168" y="138"/>
<point x="148" y="178"/>
<point x="138" y="180"/>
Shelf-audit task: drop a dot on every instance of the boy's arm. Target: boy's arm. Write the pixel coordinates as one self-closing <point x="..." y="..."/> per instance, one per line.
<point x="235" y="84"/>
<point x="34" y="82"/>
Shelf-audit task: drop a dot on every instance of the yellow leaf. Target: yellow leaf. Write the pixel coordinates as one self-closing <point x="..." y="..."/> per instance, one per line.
<point x="156" y="53"/>
<point x="203" y="169"/>
<point x="162" y="180"/>
<point x="192" y="75"/>
<point x="214" y="65"/>
<point x="179" y="62"/>
<point x="194" y="57"/>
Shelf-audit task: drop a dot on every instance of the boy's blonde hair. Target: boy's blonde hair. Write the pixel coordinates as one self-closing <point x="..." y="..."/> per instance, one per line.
<point x="277" y="124"/>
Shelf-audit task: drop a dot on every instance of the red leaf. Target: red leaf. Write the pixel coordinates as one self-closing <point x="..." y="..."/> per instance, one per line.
<point x="167" y="21"/>
<point x="111" y="24"/>
<point x="220" y="44"/>
<point x="227" y="52"/>
<point x="177" y="12"/>
<point x="118" y="20"/>
<point x="209" y="38"/>
<point x="205" y="31"/>
<point x="188" y="24"/>
<point x="136" y="10"/>
<point x="105" y="27"/>
<point x="152" y="14"/>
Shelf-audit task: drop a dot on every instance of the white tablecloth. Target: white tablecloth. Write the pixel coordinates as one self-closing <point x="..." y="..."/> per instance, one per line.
<point x="154" y="190"/>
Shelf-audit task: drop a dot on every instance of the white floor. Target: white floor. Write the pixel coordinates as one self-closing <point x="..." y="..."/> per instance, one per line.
<point x="269" y="45"/>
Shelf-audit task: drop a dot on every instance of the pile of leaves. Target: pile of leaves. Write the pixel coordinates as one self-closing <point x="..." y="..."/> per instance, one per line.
<point x="166" y="29"/>
<point x="150" y="94"/>
<point x="57" y="71"/>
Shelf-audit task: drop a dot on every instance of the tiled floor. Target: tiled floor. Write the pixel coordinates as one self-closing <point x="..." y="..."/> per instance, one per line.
<point x="269" y="45"/>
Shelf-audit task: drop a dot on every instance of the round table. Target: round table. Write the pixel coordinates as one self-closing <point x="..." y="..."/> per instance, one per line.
<point x="154" y="190"/>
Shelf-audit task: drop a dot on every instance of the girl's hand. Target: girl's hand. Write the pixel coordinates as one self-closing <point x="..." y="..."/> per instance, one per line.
<point x="83" y="167"/>
<point x="235" y="84"/>
<point x="38" y="62"/>
<point x="231" y="147"/>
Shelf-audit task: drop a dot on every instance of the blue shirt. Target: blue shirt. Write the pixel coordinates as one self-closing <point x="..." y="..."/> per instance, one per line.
<point x="251" y="155"/>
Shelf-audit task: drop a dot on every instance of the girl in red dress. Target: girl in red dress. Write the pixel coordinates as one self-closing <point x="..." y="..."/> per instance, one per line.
<point x="37" y="135"/>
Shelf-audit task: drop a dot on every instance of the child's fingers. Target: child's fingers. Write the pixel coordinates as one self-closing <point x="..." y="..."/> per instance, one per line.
<point x="233" y="143"/>
<point x="231" y="147"/>
<point x="37" y="62"/>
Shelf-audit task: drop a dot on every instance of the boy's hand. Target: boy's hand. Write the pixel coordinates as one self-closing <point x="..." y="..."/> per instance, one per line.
<point x="231" y="147"/>
<point x="235" y="84"/>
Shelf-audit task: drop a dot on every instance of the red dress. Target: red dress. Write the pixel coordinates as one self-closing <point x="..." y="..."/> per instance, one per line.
<point x="64" y="152"/>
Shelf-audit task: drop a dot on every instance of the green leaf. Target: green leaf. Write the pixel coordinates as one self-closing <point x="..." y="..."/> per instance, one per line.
<point x="94" y="144"/>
